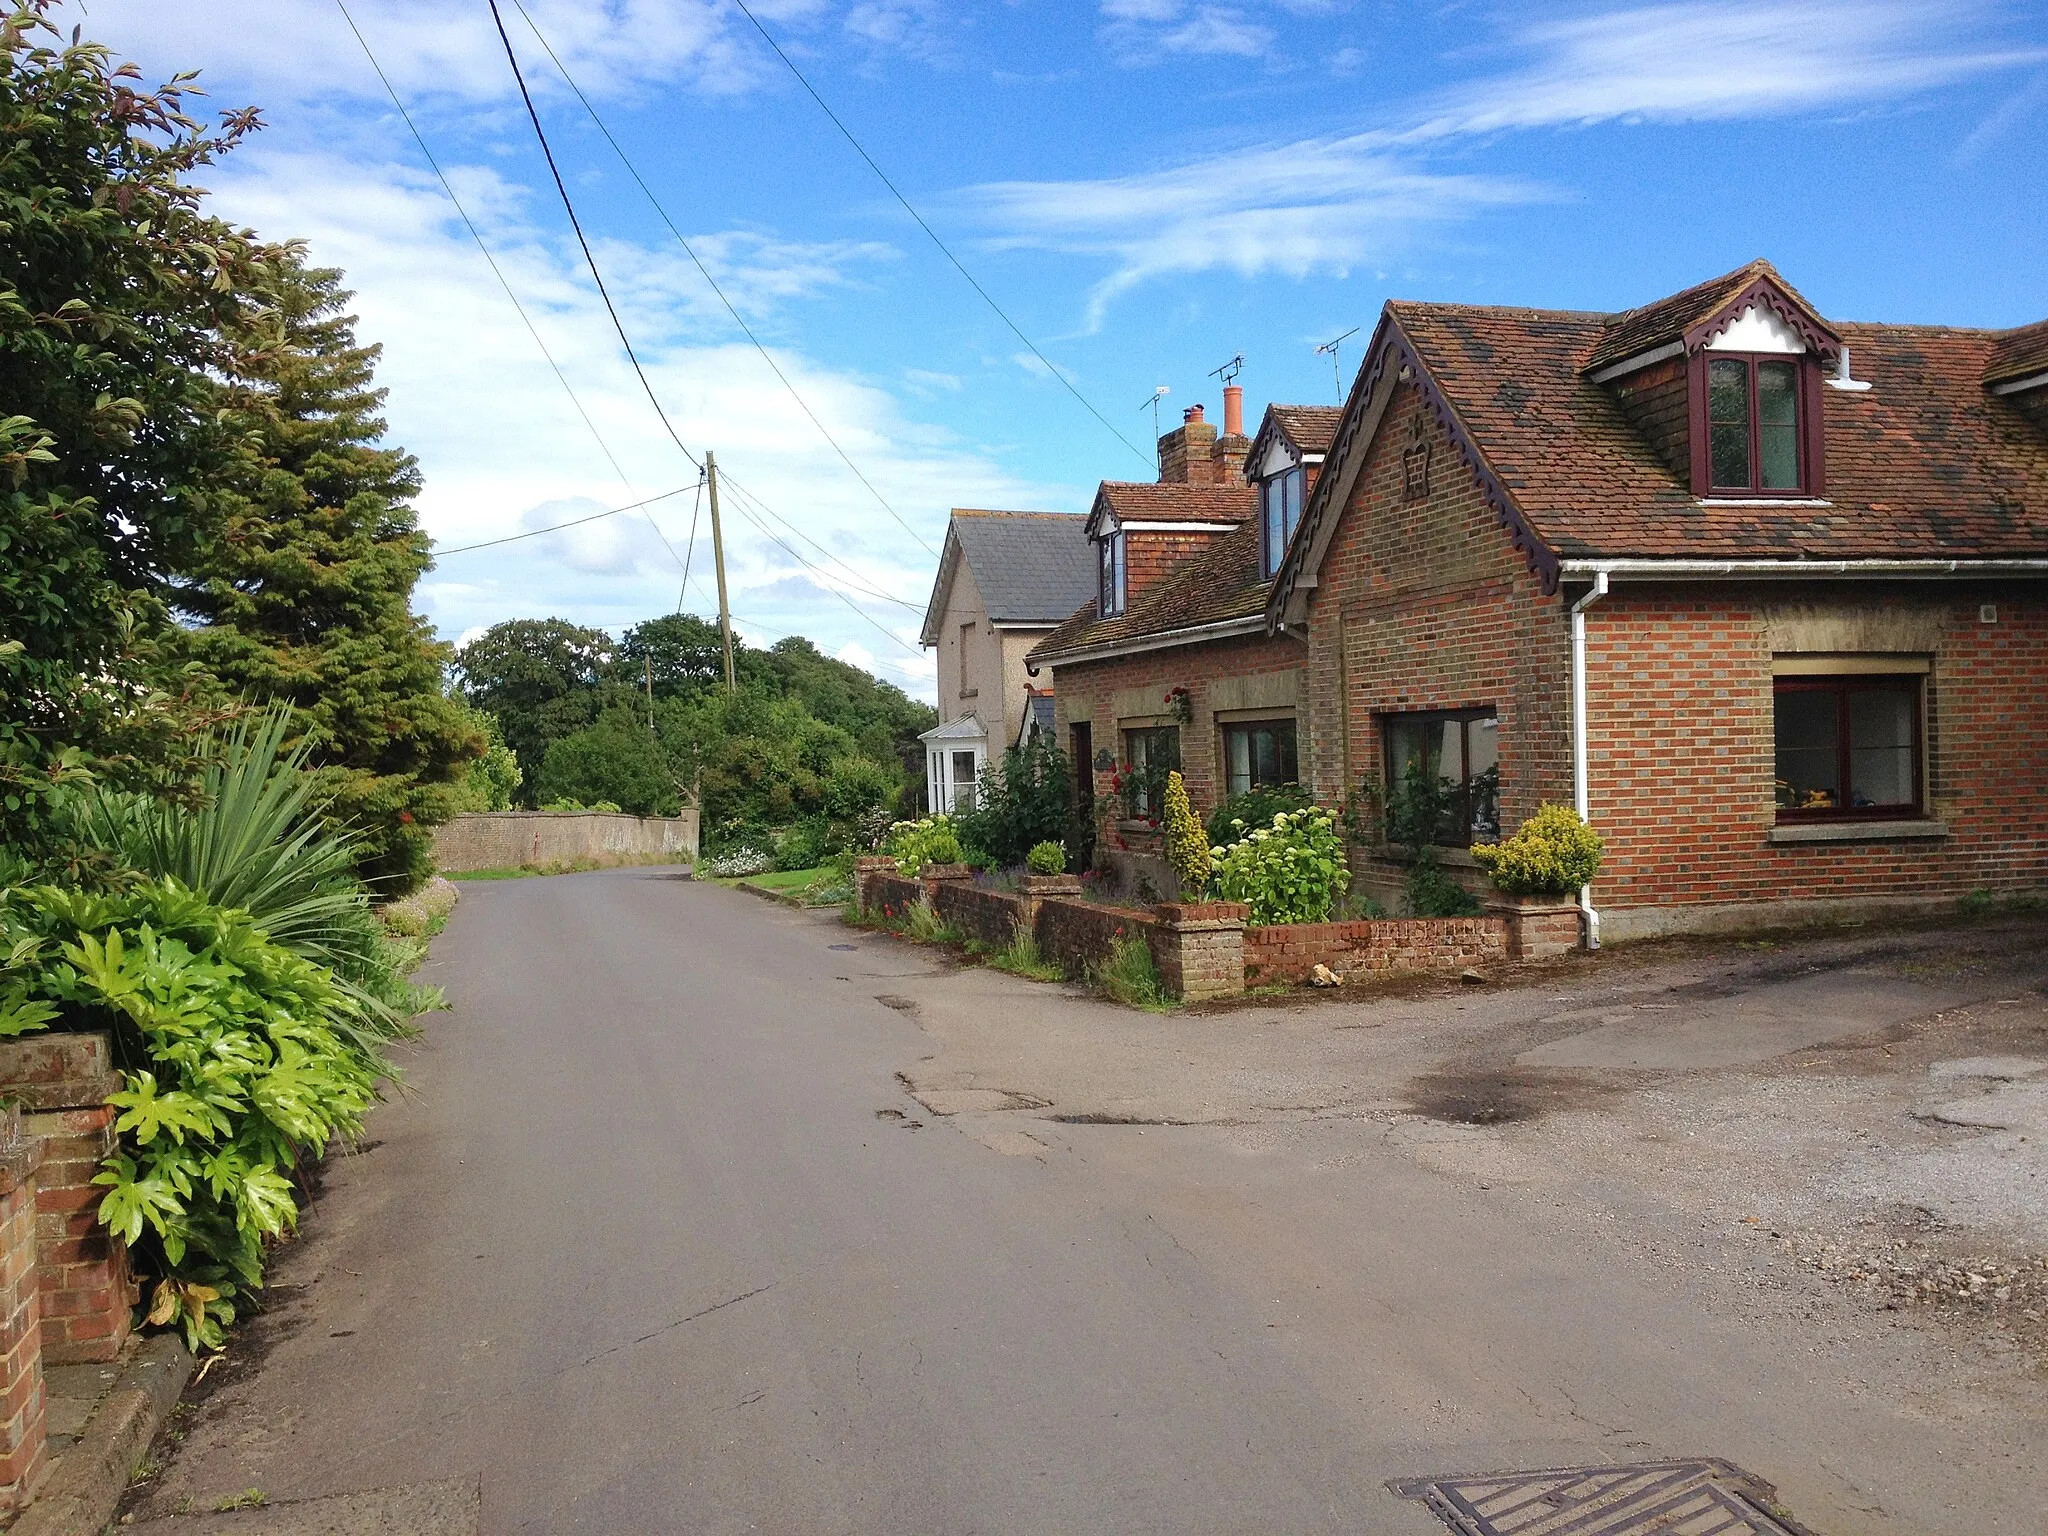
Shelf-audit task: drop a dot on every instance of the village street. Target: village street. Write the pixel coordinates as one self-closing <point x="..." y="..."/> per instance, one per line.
<point x="658" y="1240"/>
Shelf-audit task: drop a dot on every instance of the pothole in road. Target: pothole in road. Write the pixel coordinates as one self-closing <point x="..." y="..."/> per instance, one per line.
<point x="1652" y="1498"/>
<point x="1502" y="1095"/>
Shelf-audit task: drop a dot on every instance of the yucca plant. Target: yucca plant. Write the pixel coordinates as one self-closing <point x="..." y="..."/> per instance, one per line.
<point x="256" y="843"/>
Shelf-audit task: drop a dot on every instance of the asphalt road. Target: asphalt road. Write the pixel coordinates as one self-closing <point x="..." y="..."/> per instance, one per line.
<point x="658" y="1242"/>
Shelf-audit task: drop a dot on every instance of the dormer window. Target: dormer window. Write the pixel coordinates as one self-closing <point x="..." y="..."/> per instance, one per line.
<point x="1280" y="498"/>
<point x="1753" y="425"/>
<point x="1113" y="584"/>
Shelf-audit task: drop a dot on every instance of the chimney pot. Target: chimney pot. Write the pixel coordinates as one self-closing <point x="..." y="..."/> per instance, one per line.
<point x="1233" y="410"/>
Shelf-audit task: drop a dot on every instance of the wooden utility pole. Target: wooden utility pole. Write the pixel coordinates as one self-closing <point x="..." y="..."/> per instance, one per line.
<point x="718" y="559"/>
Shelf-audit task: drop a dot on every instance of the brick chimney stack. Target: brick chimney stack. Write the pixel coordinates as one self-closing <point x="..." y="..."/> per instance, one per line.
<point x="1187" y="454"/>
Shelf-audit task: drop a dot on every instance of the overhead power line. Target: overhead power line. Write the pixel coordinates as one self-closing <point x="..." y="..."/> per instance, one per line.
<point x="574" y="522"/>
<point x="705" y="272"/>
<point x="944" y="249"/>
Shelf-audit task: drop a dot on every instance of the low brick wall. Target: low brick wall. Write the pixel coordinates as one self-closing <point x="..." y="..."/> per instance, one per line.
<point x="990" y="916"/>
<point x="1078" y="934"/>
<point x="507" y="839"/>
<point x="1284" y="954"/>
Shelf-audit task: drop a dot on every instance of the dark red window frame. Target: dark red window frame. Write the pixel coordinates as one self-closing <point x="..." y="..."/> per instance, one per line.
<point x="1808" y="393"/>
<point x="1912" y="685"/>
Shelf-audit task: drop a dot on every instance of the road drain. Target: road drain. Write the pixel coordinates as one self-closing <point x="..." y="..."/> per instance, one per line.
<point x="1649" y="1498"/>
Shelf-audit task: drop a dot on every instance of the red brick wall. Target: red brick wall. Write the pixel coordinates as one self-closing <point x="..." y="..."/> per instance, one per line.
<point x="1426" y="605"/>
<point x="1681" y="761"/>
<point x="1286" y="953"/>
<point x="23" y="1448"/>
<point x="86" y="1290"/>
<point x="1087" y="690"/>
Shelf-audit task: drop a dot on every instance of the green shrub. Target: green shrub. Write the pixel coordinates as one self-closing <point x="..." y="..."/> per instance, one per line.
<point x="1290" y="872"/>
<point x="1046" y="858"/>
<point x="239" y="1059"/>
<point x="1128" y="974"/>
<point x="1023" y="801"/>
<point x="1551" y="854"/>
<point x="1187" y="846"/>
<point x="914" y="844"/>
<point x="801" y="846"/>
<point x="1254" y="808"/>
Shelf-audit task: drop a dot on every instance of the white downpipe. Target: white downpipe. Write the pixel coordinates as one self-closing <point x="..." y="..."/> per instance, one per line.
<point x="1582" y="797"/>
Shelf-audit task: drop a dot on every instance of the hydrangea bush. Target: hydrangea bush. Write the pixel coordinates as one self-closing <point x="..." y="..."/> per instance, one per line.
<point x="1289" y="872"/>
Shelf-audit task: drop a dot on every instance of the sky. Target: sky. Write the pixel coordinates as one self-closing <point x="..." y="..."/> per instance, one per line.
<point x="1145" y="188"/>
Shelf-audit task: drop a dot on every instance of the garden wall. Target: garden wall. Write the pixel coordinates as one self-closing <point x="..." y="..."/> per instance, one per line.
<point x="507" y="839"/>
<point x="1285" y="954"/>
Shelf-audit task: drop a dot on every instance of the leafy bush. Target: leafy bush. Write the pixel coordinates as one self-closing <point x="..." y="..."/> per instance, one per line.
<point x="1129" y="975"/>
<point x="1187" y="849"/>
<point x="1046" y="858"/>
<point x="914" y="844"/>
<point x="239" y="1059"/>
<point x="1550" y="854"/>
<point x="1254" y="808"/>
<point x="1023" y="801"/>
<point x="801" y="846"/>
<point x="1289" y="872"/>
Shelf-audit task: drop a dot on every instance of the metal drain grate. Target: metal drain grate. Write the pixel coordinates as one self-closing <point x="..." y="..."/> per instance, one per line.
<point x="1649" y="1498"/>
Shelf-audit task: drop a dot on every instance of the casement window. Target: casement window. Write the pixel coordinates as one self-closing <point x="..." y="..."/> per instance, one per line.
<point x="1258" y="754"/>
<point x="1756" y="425"/>
<point x="1151" y="753"/>
<point x="1110" y="554"/>
<point x="1280" y="498"/>
<point x="1847" y="747"/>
<point x="1455" y="756"/>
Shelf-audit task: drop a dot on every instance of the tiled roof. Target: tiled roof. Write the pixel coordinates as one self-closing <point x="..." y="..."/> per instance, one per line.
<point x="1030" y="567"/>
<point x="1219" y="584"/>
<point x="1311" y="428"/>
<point x="1635" y="331"/>
<point x="1925" y="464"/>
<point x="1144" y="501"/>
<point x="2019" y="354"/>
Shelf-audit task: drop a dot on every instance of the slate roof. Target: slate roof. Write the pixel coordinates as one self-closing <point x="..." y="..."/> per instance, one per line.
<point x="2019" y="354"/>
<point x="1218" y="584"/>
<point x="1030" y="567"/>
<point x="1311" y="428"/>
<point x="1925" y="464"/>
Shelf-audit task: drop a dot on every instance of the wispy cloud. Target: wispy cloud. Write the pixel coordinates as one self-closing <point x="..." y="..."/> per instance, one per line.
<point x="1333" y="203"/>
<point x="1292" y="209"/>
<point x="1740" y="58"/>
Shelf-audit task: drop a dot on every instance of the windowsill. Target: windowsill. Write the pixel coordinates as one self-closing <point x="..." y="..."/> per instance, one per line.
<point x="1764" y="501"/>
<point x="1856" y="831"/>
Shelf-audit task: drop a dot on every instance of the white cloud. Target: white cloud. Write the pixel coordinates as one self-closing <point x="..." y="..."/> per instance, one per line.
<point x="1326" y="204"/>
<point x="1739" y="58"/>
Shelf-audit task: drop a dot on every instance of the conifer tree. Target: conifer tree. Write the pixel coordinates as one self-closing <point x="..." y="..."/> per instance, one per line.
<point x="305" y="592"/>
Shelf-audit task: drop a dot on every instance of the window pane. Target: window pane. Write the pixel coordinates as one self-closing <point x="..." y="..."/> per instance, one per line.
<point x="1482" y="746"/>
<point x="1728" y="421"/>
<point x="1808" y="741"/>
<point x="1777" y="414"/>
<point x="1880" y="747"/>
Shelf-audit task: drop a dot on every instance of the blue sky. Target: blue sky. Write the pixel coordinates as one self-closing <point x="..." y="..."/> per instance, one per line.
<point x="1147" y="186"/>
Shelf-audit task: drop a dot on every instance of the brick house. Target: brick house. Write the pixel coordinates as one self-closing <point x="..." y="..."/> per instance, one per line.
<point x="1760" y="592"/>
<point x="1172" y="662"/>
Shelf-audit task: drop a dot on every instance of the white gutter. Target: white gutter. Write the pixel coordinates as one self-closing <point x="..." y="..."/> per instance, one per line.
<point x="1582" y="797"/>
<point x="1797" y="570"/>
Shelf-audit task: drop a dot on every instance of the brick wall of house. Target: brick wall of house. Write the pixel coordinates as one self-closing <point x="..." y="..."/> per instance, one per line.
<point x="1681" y="752"/>
<point x="1425" y="604"/>
<point x="1087" y="691"/>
